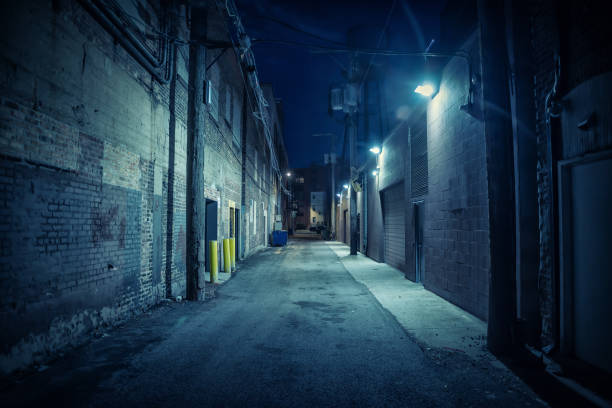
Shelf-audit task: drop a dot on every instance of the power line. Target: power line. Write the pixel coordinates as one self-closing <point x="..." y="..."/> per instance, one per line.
<point x="297" y="29"/>
<point x="366" y="51"/>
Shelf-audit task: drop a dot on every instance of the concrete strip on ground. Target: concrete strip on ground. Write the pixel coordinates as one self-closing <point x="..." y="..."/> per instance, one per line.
<point x="431" y="320"/>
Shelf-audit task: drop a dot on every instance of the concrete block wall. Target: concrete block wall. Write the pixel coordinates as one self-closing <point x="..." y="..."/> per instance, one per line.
<point x="456" y="229"/>
<point x="90" y="234"/>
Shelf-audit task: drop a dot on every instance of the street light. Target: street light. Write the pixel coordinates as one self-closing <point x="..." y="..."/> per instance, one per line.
<point x="375" y="149"/>
<point x="346" y="186"/>
<point x="425" y="90"/>
<point x="375" y="173"/>
<point x="339" y="195"/>
<point x="288" y="174"/>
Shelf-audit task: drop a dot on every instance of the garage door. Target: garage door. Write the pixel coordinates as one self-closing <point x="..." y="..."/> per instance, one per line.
<point x="395" y="234"/>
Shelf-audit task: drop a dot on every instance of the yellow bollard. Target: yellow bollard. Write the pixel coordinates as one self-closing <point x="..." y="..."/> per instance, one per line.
<point x="233" y="252"/>
<point x="214" y="265"/>
<point x="227" y="261"/>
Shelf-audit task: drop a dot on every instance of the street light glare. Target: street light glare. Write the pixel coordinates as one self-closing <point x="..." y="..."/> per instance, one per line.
<point x="375" y="173"/>
<point x="425" y="90"/>
<point x="375" y="149"/>
<point x="288" y="174"/>
<point x="346" y="186"/>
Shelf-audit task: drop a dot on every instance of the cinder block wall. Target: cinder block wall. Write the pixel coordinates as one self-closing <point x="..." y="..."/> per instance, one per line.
<point x="456" y="229"/>
<point x="92" y="181"/>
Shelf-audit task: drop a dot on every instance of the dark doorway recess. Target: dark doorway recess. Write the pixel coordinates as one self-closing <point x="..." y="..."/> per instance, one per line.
<point x="346" y="226"/>
<point x="394" y="224"/>
<point x="211" y="228"/>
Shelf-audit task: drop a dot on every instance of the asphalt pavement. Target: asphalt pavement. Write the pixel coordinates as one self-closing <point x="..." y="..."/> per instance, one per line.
<point x="292" y="329"/>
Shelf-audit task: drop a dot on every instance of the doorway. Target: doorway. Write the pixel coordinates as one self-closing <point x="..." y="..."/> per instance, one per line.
<point x="586" y="266"/>
<point x="419" y="261"/>
<point x="394" y="209"/>
<point x="210" y="228"/>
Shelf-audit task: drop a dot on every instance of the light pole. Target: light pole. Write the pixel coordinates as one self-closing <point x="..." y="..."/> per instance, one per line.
<point x="332" y="189"/>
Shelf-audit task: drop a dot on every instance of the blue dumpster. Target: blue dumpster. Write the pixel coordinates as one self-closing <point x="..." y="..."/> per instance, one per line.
<point x="279" y="238"/>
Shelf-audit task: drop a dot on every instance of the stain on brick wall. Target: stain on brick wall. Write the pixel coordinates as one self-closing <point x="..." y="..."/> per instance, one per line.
<point x="84" y="182"/>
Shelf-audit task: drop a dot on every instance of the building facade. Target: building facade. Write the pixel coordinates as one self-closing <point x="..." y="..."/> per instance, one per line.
<point x="96" y="203"/>
<point x="496" y="193"/>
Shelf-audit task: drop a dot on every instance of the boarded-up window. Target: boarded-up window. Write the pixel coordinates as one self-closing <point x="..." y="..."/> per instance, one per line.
<point x="215" y="83"/>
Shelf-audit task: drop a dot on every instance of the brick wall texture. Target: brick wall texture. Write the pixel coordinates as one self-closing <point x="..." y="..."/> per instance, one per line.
<point x="92" y="178"/>
<point x="578" y="32"/>
<point x="456" y="228"/>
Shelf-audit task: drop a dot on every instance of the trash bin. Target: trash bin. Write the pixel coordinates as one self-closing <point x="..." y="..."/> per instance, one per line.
<point x="279" y="238"/>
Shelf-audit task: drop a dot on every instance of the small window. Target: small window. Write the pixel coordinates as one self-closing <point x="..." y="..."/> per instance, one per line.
<point x="228" y="105"/>
<point x="214" y="82"/>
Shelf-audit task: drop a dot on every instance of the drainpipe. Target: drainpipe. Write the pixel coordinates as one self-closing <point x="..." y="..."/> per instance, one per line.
<point x="364" y="204"/>
<point x="161" y="70"/>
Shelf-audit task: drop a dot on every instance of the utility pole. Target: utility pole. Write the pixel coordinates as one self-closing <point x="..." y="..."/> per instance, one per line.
<point x="332" y="189"/>
<point x="195" y="158"/>
<point x="332" y="158"/>
<point x="351" y="131"/>
<point x="500" y="175"/>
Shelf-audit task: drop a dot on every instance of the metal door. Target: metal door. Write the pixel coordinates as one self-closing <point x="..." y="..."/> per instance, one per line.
<point x="419" y="261"/>
<point x="588" y="269"/>
<point x="394" y="223"/>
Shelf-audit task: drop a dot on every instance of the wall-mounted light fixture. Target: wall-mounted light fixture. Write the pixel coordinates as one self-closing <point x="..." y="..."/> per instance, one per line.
<point x="375" y="150"/>
<point x="425" y="89"/>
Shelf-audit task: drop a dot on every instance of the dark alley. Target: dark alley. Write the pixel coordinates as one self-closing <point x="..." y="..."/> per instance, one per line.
<point x="292" y="328"/>
<point x="304" y="203"/>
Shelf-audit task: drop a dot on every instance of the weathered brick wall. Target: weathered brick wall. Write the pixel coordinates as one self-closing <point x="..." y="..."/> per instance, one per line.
<point x="85" y="141"/>
<point x="257" y="186"/>
<point x="579" y="33"/>
<point x="222" y="154"/>
<point x="456" y="229"/>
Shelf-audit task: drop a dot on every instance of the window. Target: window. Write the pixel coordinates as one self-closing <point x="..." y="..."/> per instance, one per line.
<point x="228" y="105"/>
<point x="237" y="118"/>
<point x="213" y="108"/>
<point x="255" y="163"/>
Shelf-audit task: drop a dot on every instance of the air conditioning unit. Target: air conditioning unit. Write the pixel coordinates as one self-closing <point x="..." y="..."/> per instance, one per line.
<point x="336" y="99"/>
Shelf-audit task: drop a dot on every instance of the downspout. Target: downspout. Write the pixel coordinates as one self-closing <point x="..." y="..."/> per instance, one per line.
<point x="364" y="203"/>
<point x="161" y="70"/>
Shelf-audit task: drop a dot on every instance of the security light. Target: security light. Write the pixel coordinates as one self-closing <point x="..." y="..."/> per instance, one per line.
<point x="346" y="186"/>
<point x="375" y="149"/>
<point x="425" y="90"/>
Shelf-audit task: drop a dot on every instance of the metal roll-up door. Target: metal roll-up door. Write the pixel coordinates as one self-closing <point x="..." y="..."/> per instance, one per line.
<point x="394" y="222"/>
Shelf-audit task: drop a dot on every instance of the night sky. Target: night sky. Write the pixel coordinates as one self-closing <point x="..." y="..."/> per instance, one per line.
<point x="301" y="77"/>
